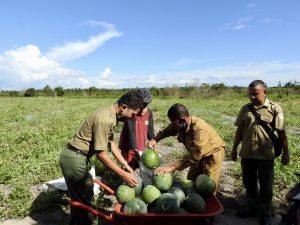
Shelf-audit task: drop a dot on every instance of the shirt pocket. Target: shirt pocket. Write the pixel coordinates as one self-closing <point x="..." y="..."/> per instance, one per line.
<point x="266" y="118"/>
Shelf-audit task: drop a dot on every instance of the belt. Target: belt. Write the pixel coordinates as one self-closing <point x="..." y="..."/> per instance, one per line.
<point x="78" y="151"/>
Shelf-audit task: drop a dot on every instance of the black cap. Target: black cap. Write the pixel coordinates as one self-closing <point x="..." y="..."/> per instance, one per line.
<point x="145" y="94"/>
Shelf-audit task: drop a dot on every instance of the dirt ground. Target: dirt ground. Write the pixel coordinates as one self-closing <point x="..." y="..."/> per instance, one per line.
<point x="227" y="195"/>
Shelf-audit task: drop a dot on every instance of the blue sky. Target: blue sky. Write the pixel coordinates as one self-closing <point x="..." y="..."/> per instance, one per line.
<point x="136" y="43"/>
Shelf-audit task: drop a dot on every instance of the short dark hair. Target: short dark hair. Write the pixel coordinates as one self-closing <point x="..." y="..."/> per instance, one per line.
<point x="176" y="111"/>
<point x="256" y="83"/>
<point x="132" y="99"/>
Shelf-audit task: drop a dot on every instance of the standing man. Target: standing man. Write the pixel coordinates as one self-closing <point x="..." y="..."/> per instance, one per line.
<point x="257" y="151"/>
<point x="137" y="131"/>
<point x="92" y="138"/>
<point x="205" y="147"/>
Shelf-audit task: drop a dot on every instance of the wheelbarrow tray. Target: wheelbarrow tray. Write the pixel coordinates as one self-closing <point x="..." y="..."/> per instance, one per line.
<point x="213" y="208"/>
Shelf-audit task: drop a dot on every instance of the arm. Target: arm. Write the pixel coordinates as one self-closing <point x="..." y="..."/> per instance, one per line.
<point x="194" y="156"/>
<point x="129" y="178"/>
<point x="167" y="132"/>
<point x="117" y="153"/>
<point x="237" y="140"/>
<point x="150" y="132"/>
<point x="167" y="168"/>
<point x="285" y="158"/>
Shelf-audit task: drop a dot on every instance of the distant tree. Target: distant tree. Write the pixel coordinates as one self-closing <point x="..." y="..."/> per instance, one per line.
<point x="13" y="93"/>
<point x="59" y="91"/>
<point x="289" y="84"/>
<point x="237" y="89"/>
<point x="154" y="91"/>
<point x="47" y="91"/>
<point x="279" y="84"/>
<point x="92" y="91"/>
<point x="30" y="92"/>
<point x="205" y="85"/>
<point x="220" y="86"/>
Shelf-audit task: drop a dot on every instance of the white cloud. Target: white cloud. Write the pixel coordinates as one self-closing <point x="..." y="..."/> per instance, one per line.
<point x="269" y="20"/>
<point x="242" y="74"/>
<point x="187" y="62"/>
<point x="95" y="23"/>
<point x="27" y="67"/>
<point x="106" y="73"/>
<point x="241" y="23"/>
<point x="77" y="49"/>
<point x="250" y="5"/>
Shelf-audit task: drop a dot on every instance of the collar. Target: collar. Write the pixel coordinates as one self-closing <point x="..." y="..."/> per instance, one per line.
<point x="265" y="105"/>
<point x="189" y="124"/>
<point x="113" y="113"/>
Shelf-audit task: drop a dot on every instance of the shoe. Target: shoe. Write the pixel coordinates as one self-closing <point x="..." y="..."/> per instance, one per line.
<point x="265" y="220"/>
<point x="246" y="212"/>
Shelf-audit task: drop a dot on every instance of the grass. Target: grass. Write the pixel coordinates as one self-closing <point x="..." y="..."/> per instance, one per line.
<point x="34" y="131"/>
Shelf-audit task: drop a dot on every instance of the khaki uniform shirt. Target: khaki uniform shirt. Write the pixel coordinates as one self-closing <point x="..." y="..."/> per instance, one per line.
<point x="256" y="143"/>
<point x="200" y="140"/>
<point x="96" y="131"/>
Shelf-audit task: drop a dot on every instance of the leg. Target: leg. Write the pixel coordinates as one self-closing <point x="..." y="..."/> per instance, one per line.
<point x="249" y="176"/>
<point x="266" y="178"/>
<point x="212" y="165"/>
<point x="194" y="171"/>
<point x="75" y="168"/>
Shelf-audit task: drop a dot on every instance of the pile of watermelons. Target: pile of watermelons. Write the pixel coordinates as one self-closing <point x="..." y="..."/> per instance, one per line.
<point x="166" y="195"/>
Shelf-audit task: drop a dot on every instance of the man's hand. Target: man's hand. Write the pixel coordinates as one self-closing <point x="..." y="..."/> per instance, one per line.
<point x="234" y="154"/>
<point x="152" y="144"/>
<point x="285" y="159"/>
<point x="130" y="179"/>
<point x="165" y="169"/>
<point x="129" y="169"/>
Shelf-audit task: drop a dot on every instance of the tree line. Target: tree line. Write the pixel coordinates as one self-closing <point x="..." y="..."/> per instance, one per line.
<point x="192" y="91"/>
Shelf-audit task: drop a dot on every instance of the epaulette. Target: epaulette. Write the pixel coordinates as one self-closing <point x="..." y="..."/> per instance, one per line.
<point x="275" y="106"/>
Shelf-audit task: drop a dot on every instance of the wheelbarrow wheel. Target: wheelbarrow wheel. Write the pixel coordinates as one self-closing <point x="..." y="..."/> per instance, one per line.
<point x="208" y="221"/>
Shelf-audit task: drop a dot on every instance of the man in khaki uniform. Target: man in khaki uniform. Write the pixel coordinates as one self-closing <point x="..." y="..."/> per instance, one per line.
<point x="257" y="151"/>
<point x="93" y="138"/>
<point x="205" y="147"/>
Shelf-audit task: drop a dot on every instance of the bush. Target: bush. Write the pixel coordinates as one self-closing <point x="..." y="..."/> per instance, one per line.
<point x="30" y="92"/>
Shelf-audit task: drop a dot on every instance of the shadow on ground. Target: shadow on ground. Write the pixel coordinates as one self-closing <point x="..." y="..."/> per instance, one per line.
<point x="46" y="212"/>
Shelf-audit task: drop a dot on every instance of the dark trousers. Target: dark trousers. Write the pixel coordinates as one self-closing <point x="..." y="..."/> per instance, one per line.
<point x="75" y="168"/>
<point x="258" y="178"/>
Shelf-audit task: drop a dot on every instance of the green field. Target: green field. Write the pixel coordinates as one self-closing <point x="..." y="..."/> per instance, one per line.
<point x="34" y="131"/>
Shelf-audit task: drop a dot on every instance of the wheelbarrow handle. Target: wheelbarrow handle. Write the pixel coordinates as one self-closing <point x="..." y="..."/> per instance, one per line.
<point x="104" y="186"/>
<point x="93" y="211"/>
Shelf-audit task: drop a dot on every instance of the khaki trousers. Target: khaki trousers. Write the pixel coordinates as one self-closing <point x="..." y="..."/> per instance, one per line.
<point x="210" y="165"/>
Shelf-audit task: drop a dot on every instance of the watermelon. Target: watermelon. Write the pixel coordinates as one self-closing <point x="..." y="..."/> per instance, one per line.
<point x="150" y="193"/>
<point x="182" y="211"/>
<point x="153" y="209"/>
<point x="150" y="158"/>
<point x="167" y="203"/>
<point x="194" y="203"/>
<point x="188" y="186"/>
<point x="178" y="193"/>
<point x="125" y="193"/>
<point x="177" y="184"/>
<point x="163" y="181"/>
<point x="205" y="185"/>
<point x="135" y="206"/>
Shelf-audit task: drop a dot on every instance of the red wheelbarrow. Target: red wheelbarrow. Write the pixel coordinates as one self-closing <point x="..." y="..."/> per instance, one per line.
<point x="118" y="217"/>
